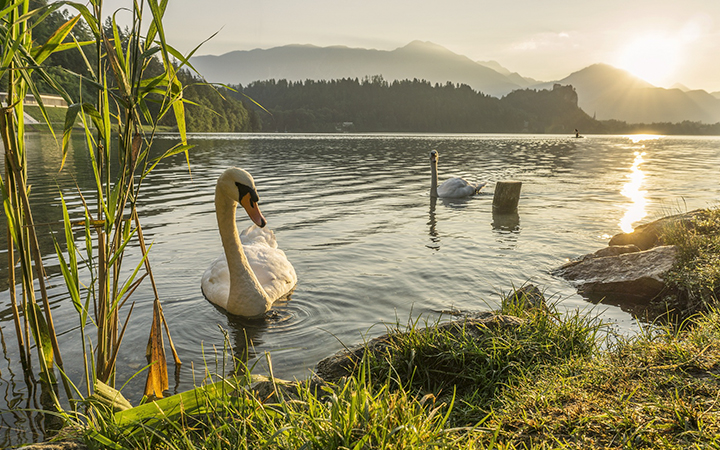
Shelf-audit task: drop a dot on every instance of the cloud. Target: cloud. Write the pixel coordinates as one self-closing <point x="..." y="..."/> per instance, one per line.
<point x="543" y="40"/>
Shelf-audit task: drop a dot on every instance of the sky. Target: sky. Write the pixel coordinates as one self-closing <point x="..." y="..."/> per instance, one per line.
<point x="665" y="42"/>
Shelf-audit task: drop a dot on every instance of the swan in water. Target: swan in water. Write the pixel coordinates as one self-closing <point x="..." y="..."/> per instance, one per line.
<point x="252" y="273"/>
<point x="452" y="188"/>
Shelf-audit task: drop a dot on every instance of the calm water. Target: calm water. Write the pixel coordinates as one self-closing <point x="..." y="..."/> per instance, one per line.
<point x="354" y="217"/>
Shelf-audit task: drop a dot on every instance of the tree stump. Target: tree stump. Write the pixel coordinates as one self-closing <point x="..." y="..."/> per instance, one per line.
<point x="507" y="196"/>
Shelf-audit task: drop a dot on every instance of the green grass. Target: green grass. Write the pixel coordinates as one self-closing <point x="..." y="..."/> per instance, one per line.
<point x="694" y="280"/>
<point x="545" y="384"/>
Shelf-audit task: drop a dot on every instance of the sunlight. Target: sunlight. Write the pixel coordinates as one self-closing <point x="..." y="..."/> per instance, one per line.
<point x="635" y="138"/>
<point x="652" y="58"/>
<point x="631" y="190"/>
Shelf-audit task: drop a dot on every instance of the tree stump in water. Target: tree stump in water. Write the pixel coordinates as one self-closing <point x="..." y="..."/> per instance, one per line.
<point x="507" y="196"/>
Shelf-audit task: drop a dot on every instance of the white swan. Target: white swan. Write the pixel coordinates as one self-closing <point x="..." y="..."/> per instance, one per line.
<point x="452" y="188"/>
<point x="252" y="273"/>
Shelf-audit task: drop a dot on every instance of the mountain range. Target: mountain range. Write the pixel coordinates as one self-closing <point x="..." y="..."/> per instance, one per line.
<point x="604" y="92"/>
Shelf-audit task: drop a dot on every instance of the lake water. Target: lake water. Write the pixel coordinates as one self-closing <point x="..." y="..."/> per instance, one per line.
<point x="354" y="216"/>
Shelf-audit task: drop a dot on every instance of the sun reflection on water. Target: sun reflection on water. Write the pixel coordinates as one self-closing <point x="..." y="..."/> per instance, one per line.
<point x="631" y="190"/>
<point x="635" y="138"/>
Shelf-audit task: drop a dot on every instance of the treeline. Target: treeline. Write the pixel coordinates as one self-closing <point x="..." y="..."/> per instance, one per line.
<point x="375" y="105"/>
<point x="686" y="127"/>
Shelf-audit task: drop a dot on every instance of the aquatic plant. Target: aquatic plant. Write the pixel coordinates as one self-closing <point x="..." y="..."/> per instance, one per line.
<point x="135" y="68"/>
<point x="21" y="66"/>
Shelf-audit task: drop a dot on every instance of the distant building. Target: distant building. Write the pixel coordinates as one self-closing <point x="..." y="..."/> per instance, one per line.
<point x="49" y="101"/>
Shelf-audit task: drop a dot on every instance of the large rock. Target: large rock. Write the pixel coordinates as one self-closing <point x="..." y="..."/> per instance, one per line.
<point x="649" y="235"/>
<point x="637" y="275"/>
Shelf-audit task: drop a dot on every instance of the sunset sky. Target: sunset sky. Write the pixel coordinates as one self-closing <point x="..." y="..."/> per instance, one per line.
<point x="663" y="41"/>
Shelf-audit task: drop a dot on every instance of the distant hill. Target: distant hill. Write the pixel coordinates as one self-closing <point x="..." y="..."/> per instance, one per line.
<point x="512" y="76"/>
<point x="606" y="92"/>
<point x="421" y="60"/>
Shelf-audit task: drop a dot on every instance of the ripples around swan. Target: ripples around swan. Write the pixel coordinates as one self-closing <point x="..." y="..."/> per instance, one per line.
<point x="370" y="247"/>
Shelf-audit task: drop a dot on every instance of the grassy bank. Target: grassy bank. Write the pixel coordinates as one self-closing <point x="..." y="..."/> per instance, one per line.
<point x="528" y="377"/>
<point x="545" y="381"/>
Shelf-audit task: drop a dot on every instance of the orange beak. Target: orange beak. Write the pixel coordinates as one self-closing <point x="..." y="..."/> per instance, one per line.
<point x="253" y="211"/>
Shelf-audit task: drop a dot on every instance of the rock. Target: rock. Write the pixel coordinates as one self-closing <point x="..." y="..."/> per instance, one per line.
<point x="615" y="250"/>
<point x="636" y="275"/>
<point x="648" y="235"/>
<point x="528" y="297"/>
<point x="343" y="363"/>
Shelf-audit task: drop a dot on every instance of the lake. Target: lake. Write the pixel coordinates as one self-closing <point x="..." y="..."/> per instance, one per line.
<point x="354" y="216"/>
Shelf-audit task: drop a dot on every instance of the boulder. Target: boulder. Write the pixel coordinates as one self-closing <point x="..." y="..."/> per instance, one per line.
<point x="649" y="235"/>
<point x="614" y="251"/>
<point x="637" y="275"/>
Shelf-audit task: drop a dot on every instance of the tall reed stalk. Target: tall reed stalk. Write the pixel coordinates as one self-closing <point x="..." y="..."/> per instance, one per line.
<point x="136" y="84"/>
<point x="20" y="66"/>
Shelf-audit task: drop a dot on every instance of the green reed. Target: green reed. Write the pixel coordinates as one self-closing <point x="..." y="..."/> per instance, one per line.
<point x="21" y="65"/>
<point x="132" y="85"/>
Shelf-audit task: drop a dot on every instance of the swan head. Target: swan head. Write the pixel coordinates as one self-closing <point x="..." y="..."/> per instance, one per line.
<point x="434" y="155"/>
<point x="238" y="185"/>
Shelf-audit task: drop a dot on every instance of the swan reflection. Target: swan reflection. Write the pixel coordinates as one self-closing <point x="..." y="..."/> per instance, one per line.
<point x="432" y="223"/>
<point x="636" y="210"/>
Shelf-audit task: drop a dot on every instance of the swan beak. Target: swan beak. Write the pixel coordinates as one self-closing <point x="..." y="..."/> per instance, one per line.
<point x="253" y="211"/>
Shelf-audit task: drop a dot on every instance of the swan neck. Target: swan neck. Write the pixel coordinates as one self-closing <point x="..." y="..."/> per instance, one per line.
<point x="246" y="296"/>
<point x="433" y="179"/>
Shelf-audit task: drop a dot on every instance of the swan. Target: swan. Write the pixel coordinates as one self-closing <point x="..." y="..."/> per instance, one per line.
<point x="452" y="188"/>
<point x="253" y="272"/>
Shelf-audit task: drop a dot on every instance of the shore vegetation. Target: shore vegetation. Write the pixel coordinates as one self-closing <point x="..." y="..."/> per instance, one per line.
<point x="553" y="380"/>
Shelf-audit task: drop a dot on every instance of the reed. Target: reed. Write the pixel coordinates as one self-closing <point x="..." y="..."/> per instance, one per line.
<point x="134" y="71"/>
<point x="21" y="65"/>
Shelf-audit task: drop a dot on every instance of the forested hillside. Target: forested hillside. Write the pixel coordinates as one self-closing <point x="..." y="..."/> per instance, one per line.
<point x="412" y="106"/>
<point x="206" y="108"/>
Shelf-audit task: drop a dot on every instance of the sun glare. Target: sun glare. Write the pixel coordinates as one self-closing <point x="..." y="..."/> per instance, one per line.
<point x="635" y="210"/>
<point x="652" y="58"/>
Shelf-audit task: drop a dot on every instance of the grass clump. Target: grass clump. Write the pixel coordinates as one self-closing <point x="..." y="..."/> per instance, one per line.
<point x="695" y="277"/>
<point x="478" y="360"/>
<point x="657" y="390"/>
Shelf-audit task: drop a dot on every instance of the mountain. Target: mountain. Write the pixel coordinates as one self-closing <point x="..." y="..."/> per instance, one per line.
<point x="512" y="76"/>
<point x="606" y="92"/>
<point x="421" y="60"/>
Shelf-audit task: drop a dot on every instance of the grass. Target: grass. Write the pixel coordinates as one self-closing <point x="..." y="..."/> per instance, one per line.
<point x="545" y="382"/>
<point x="695" y="278"/>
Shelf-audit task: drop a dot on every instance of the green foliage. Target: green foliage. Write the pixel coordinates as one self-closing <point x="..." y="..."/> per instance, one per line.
<point x="696" y="273"/>
<point x="559" y="389"/>
<point x="212" y="109"/>
<point x="480" y="360"/>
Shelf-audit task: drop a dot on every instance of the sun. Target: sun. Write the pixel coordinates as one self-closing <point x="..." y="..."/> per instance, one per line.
<point x="653" y="58"/>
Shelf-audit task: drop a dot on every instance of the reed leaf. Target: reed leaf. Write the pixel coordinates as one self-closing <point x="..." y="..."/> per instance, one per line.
<point x="41" y="333"/>
<point x="54" y="43"/>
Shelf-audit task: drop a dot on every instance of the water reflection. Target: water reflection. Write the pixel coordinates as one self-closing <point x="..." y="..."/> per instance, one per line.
<point x="432" y="223"/>
<point x="636" y="210"/>
<point x="506" y="221"/>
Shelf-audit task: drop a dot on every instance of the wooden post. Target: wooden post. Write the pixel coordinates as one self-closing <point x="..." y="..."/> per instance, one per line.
<point x="507" y="195"/>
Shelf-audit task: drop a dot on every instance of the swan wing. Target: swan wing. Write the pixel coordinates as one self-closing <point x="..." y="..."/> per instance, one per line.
<point x="215" y="282"/>
<point x="457" y="187"/>
<point x="269" y="263"/>
<point x="273" y="270"/>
